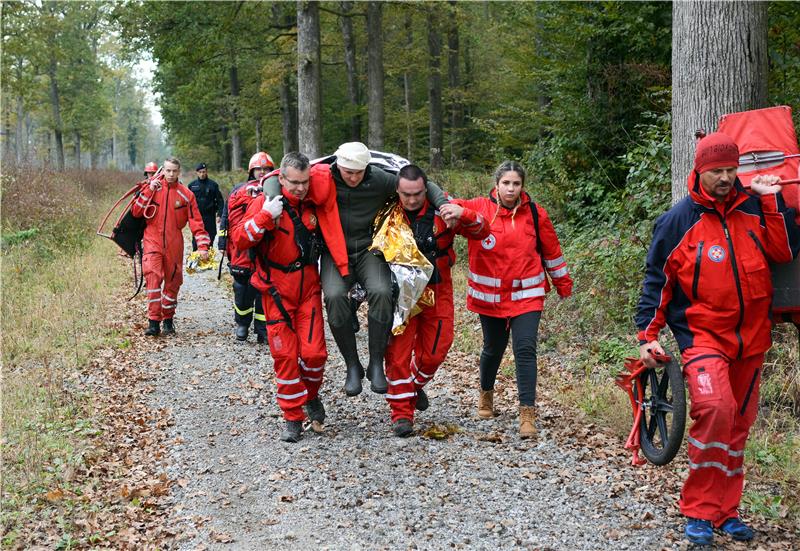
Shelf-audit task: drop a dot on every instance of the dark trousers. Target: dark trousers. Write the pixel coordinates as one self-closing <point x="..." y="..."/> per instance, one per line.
<point x="247" y="305"/>
<point x="524" y="330"/>
<point x="374" y="275"/>
<point x="210" y="225"/>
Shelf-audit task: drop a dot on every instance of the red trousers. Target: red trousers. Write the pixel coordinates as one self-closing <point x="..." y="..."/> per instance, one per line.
<point x="298" y="350"/>
<point x="162" y="270"/>
<point x="724" y="395"/>
<point x="428" y="336"/>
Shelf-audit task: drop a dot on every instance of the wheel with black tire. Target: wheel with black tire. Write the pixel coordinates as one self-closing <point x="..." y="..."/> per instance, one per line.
<point x="664" y="412"/>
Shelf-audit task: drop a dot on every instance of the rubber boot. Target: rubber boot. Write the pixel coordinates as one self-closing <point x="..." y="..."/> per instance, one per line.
<point x="422" y="400"/>
<point x="527" y="421"/>
<point x="153" y="328"/>
<point x="354" y="304"/>
<point x="346" y="341"/>
<point x="486" y="404"/>
<point x="292" y="432"/>
<point x="169" y="327"/>
<point x="241" y="332"/>
<point x="316" y="414"/>
<point x="378" y="338"/>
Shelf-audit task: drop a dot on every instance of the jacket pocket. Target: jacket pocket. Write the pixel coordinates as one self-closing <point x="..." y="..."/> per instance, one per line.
<point x="698" y="260"/>
<point x="181" y="215"/>
<point x="758" y="278"/>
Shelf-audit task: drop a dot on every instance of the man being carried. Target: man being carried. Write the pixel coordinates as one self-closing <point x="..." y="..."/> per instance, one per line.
<point x="708" y="278"/>
<point x="429" y="334"/>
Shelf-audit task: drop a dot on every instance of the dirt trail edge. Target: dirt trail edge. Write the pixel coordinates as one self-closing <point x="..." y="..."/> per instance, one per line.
<point x="356" y="486"/>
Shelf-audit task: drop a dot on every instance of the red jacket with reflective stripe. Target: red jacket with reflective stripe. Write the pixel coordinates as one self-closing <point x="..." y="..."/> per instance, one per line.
<point x="174" y="206"/>
<point x="506" y="276"/>
<point x="708" y="273"/>
<point x="238" y="201"/>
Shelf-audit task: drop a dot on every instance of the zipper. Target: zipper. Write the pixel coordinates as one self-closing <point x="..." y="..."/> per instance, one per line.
<point x="436" y="340"/>
<point x="311" y="329"/>
<point x="738" y="286"/>
<point x="757" y="242"/>
<point x="166" y="208"/>
<point x="749" y="392"/>
<point x="697" y="261"/>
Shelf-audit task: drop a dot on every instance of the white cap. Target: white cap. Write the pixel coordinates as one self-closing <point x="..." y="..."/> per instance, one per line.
<point x="353" y="155"/>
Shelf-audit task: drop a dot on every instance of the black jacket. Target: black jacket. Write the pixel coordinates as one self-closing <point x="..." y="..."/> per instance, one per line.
<point x="209" y="198"/>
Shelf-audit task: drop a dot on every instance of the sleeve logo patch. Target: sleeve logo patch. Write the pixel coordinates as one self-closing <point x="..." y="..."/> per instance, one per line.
<point x="716" y="253"/>
<point x="489" y="242"/>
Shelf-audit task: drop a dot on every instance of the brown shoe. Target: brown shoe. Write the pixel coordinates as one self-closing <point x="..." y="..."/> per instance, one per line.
<point x="486" y="404"/>
<point x="527" y="421"/>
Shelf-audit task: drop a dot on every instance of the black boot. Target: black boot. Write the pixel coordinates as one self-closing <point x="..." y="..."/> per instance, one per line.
<point x="241" y="332"/>
<point x="293" y="431"/>
<point x="169" y="328"/>
<point x="153" y="329"/>
<point x="261" y="338"/>
<point x="422" y="400"/>
<point x="346" y="341"/>
<point x="378" y="338"/>
<point x="354" y="304"/>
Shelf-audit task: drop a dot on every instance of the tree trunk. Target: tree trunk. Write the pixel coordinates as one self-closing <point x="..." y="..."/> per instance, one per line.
<point x="226" y="152"/>
<point x="55" y="104"/>
<point x="349" y="39"/>
<point x="236" y="139"/>
<point x="375" y="74"/>
<point x="719" y="65"/>
<point x="309" y="96"/>
<point x="7" y="133"/>
<point x="288" y="115"/>
<point x="454" y="83"/>
<point x="77" y="150"/>
<point x="258" y="133"/>
<point x="407" y="88"/>
<point x="21" y="139"/>
<point x="435" y="89"/>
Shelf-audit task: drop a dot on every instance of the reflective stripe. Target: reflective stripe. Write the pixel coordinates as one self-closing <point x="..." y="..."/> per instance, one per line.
<point x="558" y="273"/>
<point x="287" y="381"/>
<point x="555" y="262"/>
<point x="400" y="396"/>
<point x="165" y="296"/>
<point x="704" y="446"/>
<point x="251" y="224"/>
<point x="292" y="396"/>
<point x="154" y="290"/>
<point x="182" y="195"/>
<point x="260" y="317"/>
<point x="167" y="306"/>
<point x="716" y="465"/>
<point x="486" y="297"/>
<point x="484" y="280"/>
<point x="395" y="382"/>
<point x="420" y="372"/>
<point x="312" y="369"/>
<point x="140" y="203"/>
<point x="527" y="293"/>
<point x="314" y="379"/>
<point x="243" y="312"/>
<point x="202" y="240"/>
<point x="155" y="299"/>
<point x="528" y="282"/>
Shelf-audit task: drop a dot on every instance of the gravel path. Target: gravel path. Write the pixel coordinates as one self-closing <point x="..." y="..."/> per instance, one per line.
<point x="358" y="487"/>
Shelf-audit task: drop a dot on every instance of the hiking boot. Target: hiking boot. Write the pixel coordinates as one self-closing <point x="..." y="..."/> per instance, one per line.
<point x="261" y="338"/>
<point x="486" y="404"/>
<point x="153" y="328"/>
<point x="315" y="410"/>
<point x="241" y="332"/>
<point x="293" y="431"/>
<point x="422" y="400"/>
<point x="169" y="328"/>
<point x="738" y="530"/>
<point x="699" y="531"/>
<point x="346" y="341"/>
<point x="527" y="421"/>
<point x="403" y="428"/>
<point x="378" y="338"/>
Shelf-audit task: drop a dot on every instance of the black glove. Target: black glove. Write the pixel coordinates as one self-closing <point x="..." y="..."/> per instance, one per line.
<point x="222" y="243"/>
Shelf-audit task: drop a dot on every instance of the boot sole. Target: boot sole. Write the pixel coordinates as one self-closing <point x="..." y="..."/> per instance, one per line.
<point x="378" y="390"/>
<point x="484" y="416"/>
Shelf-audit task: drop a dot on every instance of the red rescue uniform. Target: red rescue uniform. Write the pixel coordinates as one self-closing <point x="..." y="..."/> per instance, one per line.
<point x="167" y="210"/>
<point x="288" y="279"/>
<point x="429" y="334"/>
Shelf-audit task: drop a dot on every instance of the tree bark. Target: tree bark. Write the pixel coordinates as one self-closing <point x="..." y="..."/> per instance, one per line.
<point x="407" y="87"/>
<point x="236" y="139"/>
<point x="55" y="104"/>
<point x="375" y="74"/>
<point x="77" y="150"/>
<point x="7" y="133"/>
<point x="349" y="39"/>
<point x="454" y="83"/>
<point x="258" y="133"/>
<point x="309" y="96"/>
<point x="435" y="89"/>
<point x="719" y="65"/>
<point x="288" y="115"/>
<point x="21" y="140"/>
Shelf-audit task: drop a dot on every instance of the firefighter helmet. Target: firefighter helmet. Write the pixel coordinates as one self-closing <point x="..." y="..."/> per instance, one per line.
<point x="150" y="167"/>
<point x="261" y="160"/>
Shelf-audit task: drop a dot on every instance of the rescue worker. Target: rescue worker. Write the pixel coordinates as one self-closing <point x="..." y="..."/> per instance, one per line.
<point x="708" y="278"/>
<point x="356" y="191"/>
<point x="287" y="250"/>
<point x="429" y="334"/>
<point x="507" y="283"/>
<point x="168" y="206"/>
<point x="247" y="305"/>
<point x="209" y="201"/>
<point x="149" y="169"/>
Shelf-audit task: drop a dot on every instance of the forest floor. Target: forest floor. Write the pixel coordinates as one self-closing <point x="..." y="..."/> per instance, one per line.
<point x="189" y="458"/>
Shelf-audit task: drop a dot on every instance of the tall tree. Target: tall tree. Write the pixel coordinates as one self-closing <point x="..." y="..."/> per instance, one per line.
<point x="375" y="74"/>
<point x="309" y="96"/>
<point x="436" y="125"/>
<point x="454" y="83"/>
<point x="349" y="39"/>
<point x="719" y="65"/>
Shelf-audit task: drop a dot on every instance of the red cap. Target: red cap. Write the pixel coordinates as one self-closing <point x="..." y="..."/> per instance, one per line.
<point x="716" y="150"/>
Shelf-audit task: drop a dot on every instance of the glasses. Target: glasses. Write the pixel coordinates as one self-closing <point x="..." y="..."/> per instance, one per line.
<point x="295" y="182"/>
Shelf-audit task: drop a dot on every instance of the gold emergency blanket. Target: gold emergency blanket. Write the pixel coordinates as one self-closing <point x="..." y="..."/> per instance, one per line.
<point x="410" y="269"/>
<point x="195" y="264"/>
